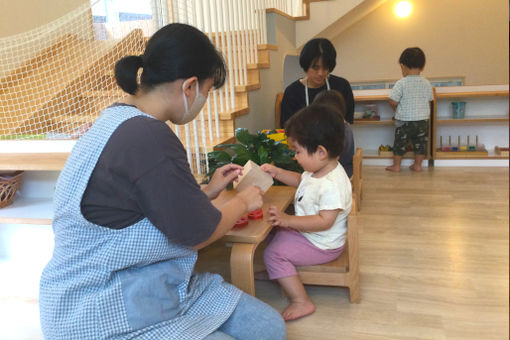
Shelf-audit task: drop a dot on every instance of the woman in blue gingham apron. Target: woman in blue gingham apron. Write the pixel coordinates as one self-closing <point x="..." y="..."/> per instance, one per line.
<point x="130" y="217"/>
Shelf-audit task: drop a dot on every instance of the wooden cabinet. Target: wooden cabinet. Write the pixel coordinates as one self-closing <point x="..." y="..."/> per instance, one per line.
<point x="370" y="134"/>
<point x="485" y="119"/>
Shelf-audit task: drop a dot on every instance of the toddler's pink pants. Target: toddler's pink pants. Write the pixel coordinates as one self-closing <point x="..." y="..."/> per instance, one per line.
<point x="288" y="249"/>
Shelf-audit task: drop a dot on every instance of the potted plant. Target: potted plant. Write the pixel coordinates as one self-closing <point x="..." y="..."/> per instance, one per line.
<point x="259" y="148"/>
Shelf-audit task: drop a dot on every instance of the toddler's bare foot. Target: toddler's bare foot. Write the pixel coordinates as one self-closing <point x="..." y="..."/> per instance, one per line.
<point x="262" y="275"/>
<point x="393" y="168"/>
<point x="415" y="167"/>
<point x="298" y="309"/>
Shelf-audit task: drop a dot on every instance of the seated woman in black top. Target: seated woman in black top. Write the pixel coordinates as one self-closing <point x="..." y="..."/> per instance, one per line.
<point x="318" y="59"/>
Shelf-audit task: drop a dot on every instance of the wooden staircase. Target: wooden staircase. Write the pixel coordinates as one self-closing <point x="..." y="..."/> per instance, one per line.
<point x="84" y="91"/>
<point x="82" y="86"/>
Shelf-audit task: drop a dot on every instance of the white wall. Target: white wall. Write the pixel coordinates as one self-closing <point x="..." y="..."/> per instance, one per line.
<point x="466" y="38"/>
<point x="322" y="15"/>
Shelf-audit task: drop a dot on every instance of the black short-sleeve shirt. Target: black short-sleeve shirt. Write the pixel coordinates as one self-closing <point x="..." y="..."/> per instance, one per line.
<point x="143" y="172"/>
<point x="294" y="97"/>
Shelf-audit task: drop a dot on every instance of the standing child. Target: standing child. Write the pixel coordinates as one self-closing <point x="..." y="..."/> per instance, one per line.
<point x="316" y="234"/>
<point x="410" y="98"/>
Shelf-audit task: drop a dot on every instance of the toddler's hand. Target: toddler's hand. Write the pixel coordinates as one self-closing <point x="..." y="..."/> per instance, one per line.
<point x="252" y="197"/>
<point x="278" y="218"/>
<point x="270" y="169"/>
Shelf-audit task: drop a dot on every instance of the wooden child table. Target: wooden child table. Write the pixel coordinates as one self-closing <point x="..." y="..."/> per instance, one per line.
<point x="245" y="240"/>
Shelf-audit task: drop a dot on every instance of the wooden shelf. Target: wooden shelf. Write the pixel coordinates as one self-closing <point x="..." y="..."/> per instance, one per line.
<point x="464" y="155"/>
<point x="462" y="92"/>
<point x="26" y="210"/>
<point x="371" y="95"/>
<point x="374" y="154"/>
<point x="472" y="91"/>
<point x="446" y="95"/>
<point x="371" y="98"/>
<point x="470" y="120"/>
<point x="373" y="122"/>
<point x="33" y="161"/>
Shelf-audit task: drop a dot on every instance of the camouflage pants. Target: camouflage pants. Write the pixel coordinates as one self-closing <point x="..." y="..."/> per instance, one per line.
<point x="414" y="131"/>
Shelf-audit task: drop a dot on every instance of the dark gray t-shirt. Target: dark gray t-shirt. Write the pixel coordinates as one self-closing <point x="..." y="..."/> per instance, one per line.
<point x="143" y="172"/>
<point x="348" y="153"/>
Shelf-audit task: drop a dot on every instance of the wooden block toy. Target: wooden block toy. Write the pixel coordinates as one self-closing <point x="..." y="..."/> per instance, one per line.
<point x="253" y="175"/>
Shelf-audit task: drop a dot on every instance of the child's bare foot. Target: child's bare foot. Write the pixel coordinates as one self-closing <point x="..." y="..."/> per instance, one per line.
<point x="262" y="275"/>
<point x="298" y="309"/>
<point x="393" y="168"/>
<point x="415" y="167"/>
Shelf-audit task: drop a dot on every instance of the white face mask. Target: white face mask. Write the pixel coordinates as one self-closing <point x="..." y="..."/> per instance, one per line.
<point x="197" y="105"/>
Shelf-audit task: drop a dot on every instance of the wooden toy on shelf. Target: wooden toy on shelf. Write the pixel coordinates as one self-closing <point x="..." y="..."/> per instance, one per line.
<point x="387" y="151"/>
<point x="253" y="175"/>
<point x="501" y="151"/>
<point x="459" y="150"/>
<point x="369" y="113"/>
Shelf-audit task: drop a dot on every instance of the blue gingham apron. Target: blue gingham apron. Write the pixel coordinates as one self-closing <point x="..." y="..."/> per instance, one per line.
<point x="126" y="283"/>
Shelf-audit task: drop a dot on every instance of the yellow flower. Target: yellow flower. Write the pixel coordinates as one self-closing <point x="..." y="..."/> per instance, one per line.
<point x="278" y="136"/>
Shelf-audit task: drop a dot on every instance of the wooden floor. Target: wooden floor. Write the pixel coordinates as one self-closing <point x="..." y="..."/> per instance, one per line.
<point x="434" y="261"/>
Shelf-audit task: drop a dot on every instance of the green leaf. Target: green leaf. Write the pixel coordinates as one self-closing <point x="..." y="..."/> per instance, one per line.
<point x="241" y="159"/>
<point x="263" y="155"/>
<point x="244" y="137"/>
<point x="239" y="149"/>
<point x="219" y="156"/>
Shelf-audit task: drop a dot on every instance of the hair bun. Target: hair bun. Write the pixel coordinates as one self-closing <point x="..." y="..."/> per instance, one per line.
<point x="126" y="70"/>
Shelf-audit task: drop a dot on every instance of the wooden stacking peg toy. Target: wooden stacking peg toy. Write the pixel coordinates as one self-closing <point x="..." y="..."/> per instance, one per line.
<point x="253" y="175"/>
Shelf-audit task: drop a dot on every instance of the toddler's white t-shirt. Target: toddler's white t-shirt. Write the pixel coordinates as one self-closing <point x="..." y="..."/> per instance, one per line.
<point x="330" y="192"/>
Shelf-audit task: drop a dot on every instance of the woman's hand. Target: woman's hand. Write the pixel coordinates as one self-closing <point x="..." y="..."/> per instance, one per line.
<point x="278" y="218"/>
<point x="221" y="178"/>
<point x="252" y="197"/>
<point x="270" y="169"/>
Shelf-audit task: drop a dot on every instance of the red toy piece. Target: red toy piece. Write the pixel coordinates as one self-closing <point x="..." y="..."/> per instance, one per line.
<point x="255" y="214"/>
<point x="242" y="222"/>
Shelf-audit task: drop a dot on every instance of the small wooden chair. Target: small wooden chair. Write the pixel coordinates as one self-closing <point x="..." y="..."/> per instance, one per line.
<point x="342" y="272"/>
<point x="357" y="178"/>
<point x="278" y="110"/>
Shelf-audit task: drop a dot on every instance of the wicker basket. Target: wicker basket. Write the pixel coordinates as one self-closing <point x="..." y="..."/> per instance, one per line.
<point x="9" y="184"/>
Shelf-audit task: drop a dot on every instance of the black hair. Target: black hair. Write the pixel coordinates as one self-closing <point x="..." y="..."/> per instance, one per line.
<point x="333" y="98"/>
<point x="176" y="51"/>
<point x="412" y="57"/>
<point x="316" y="49"/>
<point x="315" y="125"/>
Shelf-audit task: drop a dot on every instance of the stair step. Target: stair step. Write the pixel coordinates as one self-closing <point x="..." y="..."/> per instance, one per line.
<point x="233" y="113"/>
<point x="248" y="87"/>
